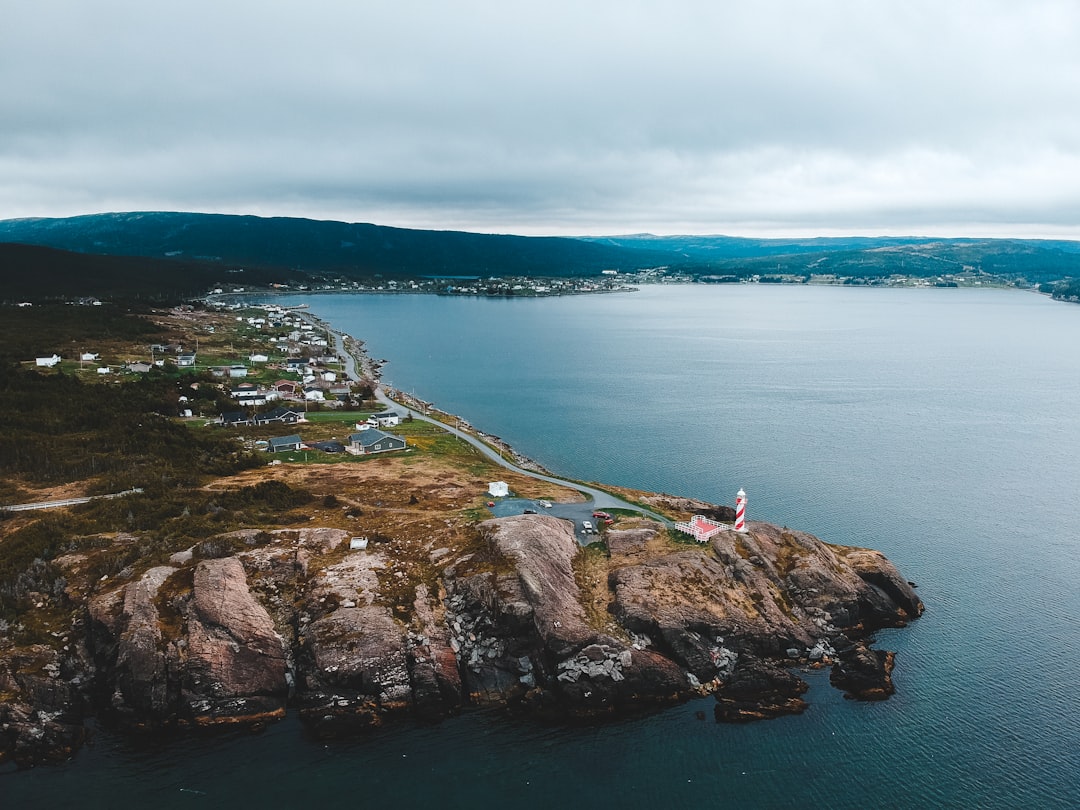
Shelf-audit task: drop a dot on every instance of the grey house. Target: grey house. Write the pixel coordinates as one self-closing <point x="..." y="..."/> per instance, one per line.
<point x="282" y="443"/>
<point x="374" y="441"/>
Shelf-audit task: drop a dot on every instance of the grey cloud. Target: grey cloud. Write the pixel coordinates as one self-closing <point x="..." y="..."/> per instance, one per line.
<point x="549" y="117"/>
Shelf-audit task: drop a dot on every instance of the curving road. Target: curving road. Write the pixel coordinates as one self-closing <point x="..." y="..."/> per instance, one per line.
<point x="599" y="498"/>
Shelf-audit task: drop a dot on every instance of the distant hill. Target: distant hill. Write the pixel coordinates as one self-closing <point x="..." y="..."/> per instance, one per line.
<point x="868" y="258"/>
<point x="739" y="247"/>
<point x="207" y="246"/>
<point x="31" y="272"/>
<point x="353" y="250"/>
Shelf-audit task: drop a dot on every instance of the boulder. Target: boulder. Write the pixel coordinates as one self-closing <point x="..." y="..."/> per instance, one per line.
<point x="759" y="690"/>
<point x="863" y="673"/>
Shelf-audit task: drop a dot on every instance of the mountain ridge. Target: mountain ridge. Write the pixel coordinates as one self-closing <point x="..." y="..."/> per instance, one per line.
<point x="292" y="246"/>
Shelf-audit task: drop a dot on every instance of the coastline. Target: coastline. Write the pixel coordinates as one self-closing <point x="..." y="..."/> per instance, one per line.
<point x="493" y="446"/>
<point x="363" y="365"/>
<point x="453" y="608"/>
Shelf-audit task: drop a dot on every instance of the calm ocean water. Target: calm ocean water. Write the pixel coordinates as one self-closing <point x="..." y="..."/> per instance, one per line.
<point x="939" y="426"/>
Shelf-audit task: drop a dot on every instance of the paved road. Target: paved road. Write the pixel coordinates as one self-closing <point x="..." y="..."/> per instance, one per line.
<point x="599" y="498"/>
<point x="25" y="507"/>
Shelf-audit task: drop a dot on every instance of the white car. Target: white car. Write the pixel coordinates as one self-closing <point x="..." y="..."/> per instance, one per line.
<point x="586" y="527"/>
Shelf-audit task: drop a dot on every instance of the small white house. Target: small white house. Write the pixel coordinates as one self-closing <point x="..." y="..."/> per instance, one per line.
<point x="258" y="358"/>
<point x="358" y="543"/>
<point x="89" y="356"/>
<point x="498" y="489"/>
<point x="103" y="370"/>
<point x="384" y="419"/>
<point x="47" y="362"/>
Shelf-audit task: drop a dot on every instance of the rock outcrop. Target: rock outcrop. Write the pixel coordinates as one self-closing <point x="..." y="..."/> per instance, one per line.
<point x="42" y="706"/>
<point x="352" y="638"/>
<point x="213" y="657"/>
<point x="524" y="638"/>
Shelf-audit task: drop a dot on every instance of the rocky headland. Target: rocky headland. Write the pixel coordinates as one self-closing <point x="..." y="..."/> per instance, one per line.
<point x="257" y="622"/>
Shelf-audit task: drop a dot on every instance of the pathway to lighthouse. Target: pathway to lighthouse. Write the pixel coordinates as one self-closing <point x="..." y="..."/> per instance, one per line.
<point x="599" y="498"/>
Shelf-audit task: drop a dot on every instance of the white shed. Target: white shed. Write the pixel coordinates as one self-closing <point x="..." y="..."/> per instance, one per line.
<point x="498" y="489"/>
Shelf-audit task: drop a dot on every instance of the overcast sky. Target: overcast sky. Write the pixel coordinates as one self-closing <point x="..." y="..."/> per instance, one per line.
<point x="764" y="117"/>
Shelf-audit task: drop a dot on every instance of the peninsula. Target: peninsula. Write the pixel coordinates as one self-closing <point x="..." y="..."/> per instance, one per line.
<point x="361" y="589"/>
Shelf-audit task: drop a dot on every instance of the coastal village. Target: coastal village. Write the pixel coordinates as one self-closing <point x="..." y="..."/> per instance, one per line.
<point x="275" y="366"/>
<point x="364" y="559"/>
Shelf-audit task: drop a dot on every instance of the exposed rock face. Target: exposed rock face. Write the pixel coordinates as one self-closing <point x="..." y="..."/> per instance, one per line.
<point x="765" y="594"/>
<point x="525" y="640"/>
<point x="354" y="653"/>
<point x="436" y="680"/>
<point x="294" y="617"/>
<point x="235" y="667"/>
<point x="226" y="663"/>
<point x="45" y="723"/>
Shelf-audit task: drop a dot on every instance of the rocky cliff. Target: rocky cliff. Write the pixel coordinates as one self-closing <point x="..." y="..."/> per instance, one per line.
<point x="522" y="618"/>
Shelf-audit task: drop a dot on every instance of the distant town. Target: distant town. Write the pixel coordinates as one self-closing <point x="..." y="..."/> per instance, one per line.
<point x="610" y="281"/>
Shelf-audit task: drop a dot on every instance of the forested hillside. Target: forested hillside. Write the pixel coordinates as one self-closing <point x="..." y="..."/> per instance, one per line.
<point x="31" y="272"/>
<point x="354" y="250"/>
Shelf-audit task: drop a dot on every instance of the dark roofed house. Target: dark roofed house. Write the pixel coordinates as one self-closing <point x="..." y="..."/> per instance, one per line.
<point x="342" y="392"/>
<point x="233" y="418"/>
<point x="282" y="443"/>
<point x="280" y="415"/>
<point x="374" y="441"/>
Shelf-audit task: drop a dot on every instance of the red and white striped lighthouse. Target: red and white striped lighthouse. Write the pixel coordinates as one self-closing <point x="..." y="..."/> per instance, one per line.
<point x="740" y="512"/>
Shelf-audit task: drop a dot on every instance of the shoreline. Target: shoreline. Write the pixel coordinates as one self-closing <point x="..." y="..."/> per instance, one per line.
<point x="357" y="352"/>
<point x="493" y="446"/>
<point x="450" y="608"/>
